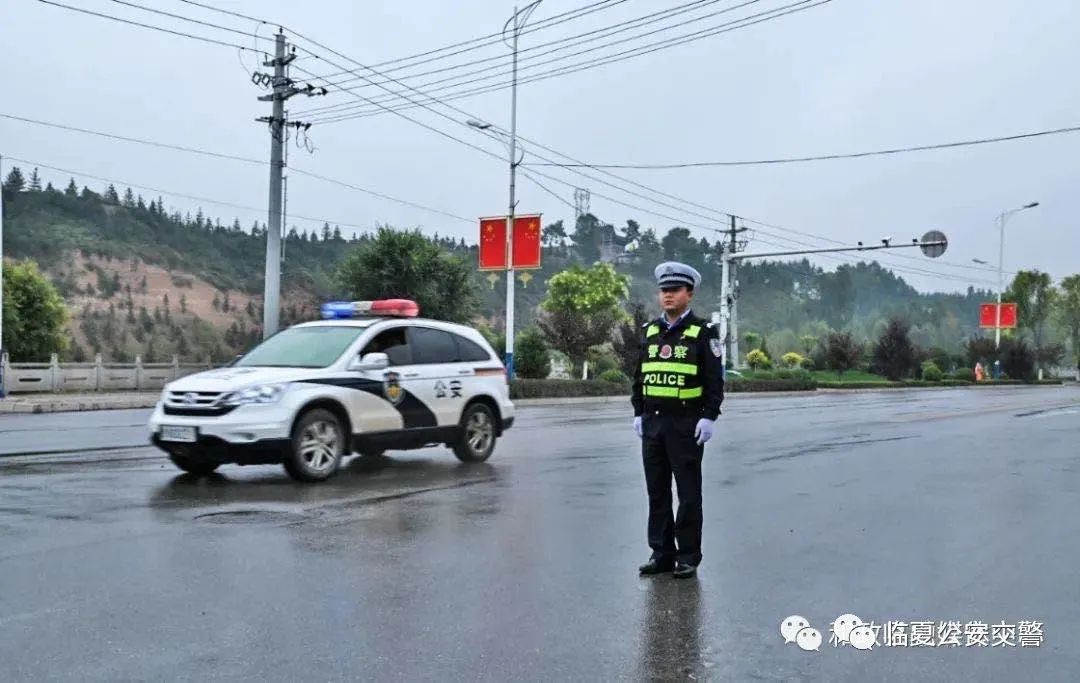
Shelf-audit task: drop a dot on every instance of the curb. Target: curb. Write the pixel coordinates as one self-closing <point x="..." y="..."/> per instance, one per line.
<point x="67" y="405"/>
<point x="61" y="404"/>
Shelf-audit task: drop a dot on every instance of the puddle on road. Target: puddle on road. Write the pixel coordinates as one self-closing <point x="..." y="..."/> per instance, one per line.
<point x="1051" y="412"/>
<point x="251" y="517"/>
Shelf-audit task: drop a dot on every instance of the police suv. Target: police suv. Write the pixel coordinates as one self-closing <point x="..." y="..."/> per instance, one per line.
<point x="369" y="377"/>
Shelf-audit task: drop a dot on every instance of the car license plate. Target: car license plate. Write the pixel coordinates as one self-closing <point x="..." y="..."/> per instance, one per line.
<point x="177" y="433"/>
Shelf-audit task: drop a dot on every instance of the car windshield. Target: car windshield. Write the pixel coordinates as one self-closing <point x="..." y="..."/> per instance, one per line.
<point x="302" y="347"/>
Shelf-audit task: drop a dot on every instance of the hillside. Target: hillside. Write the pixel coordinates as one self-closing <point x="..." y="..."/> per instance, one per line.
<point x="141" y="278"/>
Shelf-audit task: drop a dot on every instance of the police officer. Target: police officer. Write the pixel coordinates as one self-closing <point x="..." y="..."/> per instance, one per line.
<point x="677" y="392"/>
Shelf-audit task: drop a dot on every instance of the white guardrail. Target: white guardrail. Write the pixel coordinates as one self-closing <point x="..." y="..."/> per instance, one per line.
<point x="54" y="376"/>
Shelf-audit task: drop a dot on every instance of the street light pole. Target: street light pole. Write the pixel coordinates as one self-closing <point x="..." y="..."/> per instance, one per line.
<point x="1001" y="266"/>
<point x="518" y="19"/>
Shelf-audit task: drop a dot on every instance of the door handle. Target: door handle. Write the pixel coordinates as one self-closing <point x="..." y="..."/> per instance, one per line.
<point x="412" y="375"/>
<point x="465" y="372"/>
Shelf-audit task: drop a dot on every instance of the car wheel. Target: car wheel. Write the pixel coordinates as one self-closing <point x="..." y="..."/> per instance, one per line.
<point x="477" y="438"/>
<point x="318" y="443"/>
<point x="193" y="464"/>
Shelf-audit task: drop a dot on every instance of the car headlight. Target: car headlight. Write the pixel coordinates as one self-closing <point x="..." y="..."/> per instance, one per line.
<point x="261" y="394"/>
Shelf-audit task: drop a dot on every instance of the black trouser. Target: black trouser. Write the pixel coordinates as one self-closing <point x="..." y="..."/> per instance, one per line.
<point x="669" y="449"/>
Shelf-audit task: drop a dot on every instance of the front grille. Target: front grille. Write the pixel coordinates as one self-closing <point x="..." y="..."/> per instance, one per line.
<point x="195" y="403"/>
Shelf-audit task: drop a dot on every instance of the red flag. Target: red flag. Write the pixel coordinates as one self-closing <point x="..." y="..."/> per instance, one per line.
<point x="988" y="315"/>
<point x="527" y="241"/>
<point x="493" y="243"/>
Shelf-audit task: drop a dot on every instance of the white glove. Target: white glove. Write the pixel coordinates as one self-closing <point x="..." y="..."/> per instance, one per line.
<point x="704" y="431"/>
<point x="637" y="426"/>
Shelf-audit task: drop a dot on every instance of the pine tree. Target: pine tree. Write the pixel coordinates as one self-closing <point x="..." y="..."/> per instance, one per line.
<point x="199" y="219"/>
<point x="71" y="190"/>
<point x="142" y="285"/>
<point x="183" y="302"/>
<point x="225" y="305"/>
<point x="139" y="203"/>
<point x="129" y="198"/>
<point x="326" y="234"/>
<point x="111" y="196"/>
<point x="35" y="181"/>
<point x="15" y="181"/>
<point x="157" y="314"/>
<point x="337" y="234"/>
<point x="49" y="187"/>
<point x="236" y="225"/>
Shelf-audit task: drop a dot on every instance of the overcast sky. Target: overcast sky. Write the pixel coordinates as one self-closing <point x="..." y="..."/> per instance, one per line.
<point x="848" y="76"/>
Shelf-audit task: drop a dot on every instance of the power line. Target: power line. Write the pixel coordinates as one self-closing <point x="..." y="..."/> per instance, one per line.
<point x="604" y="60"/>
<point x="824" y="157"/>
<point x="638" y="208"/>
<point x="170" y="193"/>
<point x="194" y="150"/>
<point x="379" y="194"/>
<point x="567" y="43"/>
<point x="538" y="25"/>
<point x="140" y="141"/>
<point x="189" y="19"/>
<point x="146" y="26"/>
<point x="474" y="146"/>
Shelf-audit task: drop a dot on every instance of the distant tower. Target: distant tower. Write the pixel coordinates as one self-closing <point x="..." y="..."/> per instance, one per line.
<point x="581" y="203"/>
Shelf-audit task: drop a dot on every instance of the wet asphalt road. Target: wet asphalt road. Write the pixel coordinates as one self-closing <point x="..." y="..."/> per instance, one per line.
<point x="935" y="505"/>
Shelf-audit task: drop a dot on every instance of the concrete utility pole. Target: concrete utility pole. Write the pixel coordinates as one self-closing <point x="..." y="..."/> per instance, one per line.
<point x="272" y="284"/>
<point x="283" y="90"/>
<point x="732" y="350"/>
<point x="933" y="245"/>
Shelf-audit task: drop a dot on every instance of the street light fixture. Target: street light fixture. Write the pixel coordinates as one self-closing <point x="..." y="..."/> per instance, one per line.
<point x="1001" y="265"/>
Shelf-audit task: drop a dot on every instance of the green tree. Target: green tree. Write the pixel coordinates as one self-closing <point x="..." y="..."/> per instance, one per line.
<point x="894" y="354"/>
<point x="1069" y="313"/>
<point x="1034" y="295"/>
<point x="842" y="352"/>
<point x="757" y="360"/>
<point x="407" y="265"/>
<point x="183" y="302"/>
<point x="532" y="358"/>
<point x="582" y="308"/>
<point x="71" y="190"/>
<point x="35" y="181"/>
<point x="15" y="181"/>
<point x="34" y="314"/>
<point x="627" y="342"/>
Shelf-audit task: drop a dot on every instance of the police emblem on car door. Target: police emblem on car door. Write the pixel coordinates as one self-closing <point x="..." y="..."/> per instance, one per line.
<point x="392" y="389"/>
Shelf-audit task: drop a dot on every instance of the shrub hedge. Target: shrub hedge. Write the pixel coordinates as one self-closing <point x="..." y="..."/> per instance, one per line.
<point x="736" y="385"/>
<point x="576" y="388"/>
<point x="565" y="388"/>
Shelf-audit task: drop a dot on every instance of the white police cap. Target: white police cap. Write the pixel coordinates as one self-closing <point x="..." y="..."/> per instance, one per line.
<point x="672" y="273"/>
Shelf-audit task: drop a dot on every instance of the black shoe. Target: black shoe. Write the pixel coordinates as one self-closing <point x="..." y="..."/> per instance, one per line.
<point x="655" y="567"/>
<point x="684" y="571"/>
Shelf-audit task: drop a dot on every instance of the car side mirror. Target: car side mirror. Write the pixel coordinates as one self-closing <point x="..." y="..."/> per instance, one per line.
<point x="370" y="361"/>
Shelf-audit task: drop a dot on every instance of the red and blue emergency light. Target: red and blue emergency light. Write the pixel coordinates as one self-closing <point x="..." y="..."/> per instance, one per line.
<point x="398" y="308"/>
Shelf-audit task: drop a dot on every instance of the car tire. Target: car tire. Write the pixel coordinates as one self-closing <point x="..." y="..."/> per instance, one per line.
<point x="476" y="438"/>
<point x="318" y="444"/>
<point x="193" y="464"/>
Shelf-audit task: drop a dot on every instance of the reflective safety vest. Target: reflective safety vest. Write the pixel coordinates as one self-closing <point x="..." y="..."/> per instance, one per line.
<point x="670" y="367"/>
